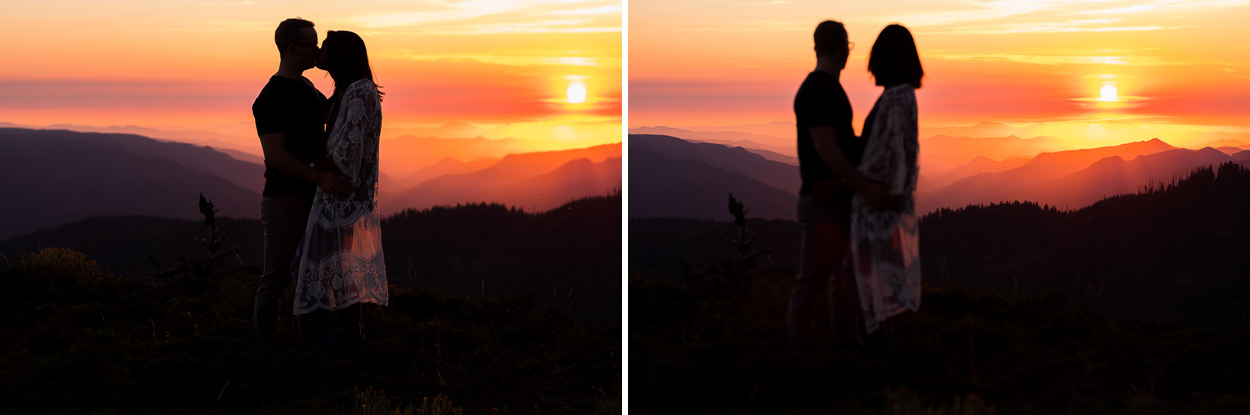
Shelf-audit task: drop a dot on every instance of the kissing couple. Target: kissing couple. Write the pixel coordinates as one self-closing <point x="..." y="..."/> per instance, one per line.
<point x="319" y="207"/>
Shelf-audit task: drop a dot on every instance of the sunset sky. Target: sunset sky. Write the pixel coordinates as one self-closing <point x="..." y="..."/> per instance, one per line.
<point x="1082" y="68"/>
<point x="547" y="72"/>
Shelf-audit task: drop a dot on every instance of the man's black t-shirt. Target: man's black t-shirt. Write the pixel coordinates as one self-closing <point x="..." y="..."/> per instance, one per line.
<point x="821" y="101"/>
<point x="297" y="108"/>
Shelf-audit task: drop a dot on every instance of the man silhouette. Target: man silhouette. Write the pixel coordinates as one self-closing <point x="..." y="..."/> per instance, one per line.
<point x="290" y="120"/>
<point x="828" y="151"/>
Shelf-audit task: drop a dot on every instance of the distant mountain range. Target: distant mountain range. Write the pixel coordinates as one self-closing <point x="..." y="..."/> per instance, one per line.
<point x="61" y="176"/>
<point x="52" y="177"/>
<point x="1074" y="178"/>
<point x="942" y="153"/>
<point x="243" y="147"/>
<point x="671" y="177"/>
<point x="783" y="145"/>
<point x="675" y="177"/>
<point x="533" y="181"/>
<point x="405" y="157"/>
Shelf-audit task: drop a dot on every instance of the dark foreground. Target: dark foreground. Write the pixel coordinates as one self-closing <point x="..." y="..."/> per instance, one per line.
<point x="78" y="339"/>
<point x="716" y="347"/>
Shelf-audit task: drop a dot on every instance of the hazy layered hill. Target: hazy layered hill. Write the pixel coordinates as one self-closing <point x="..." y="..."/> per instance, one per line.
<point x="443" y="167"/>
<point x="1014" y="184"/>
<point x="941" y="153"/>
<point x="53" y="177"/>
<point x="63" y="176"/>
<point x="783" y="176"/>
<point x="782" y="145"/>
<point x="403" y="157"/>
<point x="517" y="179"/>
<point x="1114" y="176"/>
<point x="670" y="177"/>
<point x="245" y="147"/>
<point x="979" y="165"/>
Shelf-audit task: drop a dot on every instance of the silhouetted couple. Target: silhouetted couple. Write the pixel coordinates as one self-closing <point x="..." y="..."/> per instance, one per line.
<point x="857" y="202"/>
<point x="320" y="203"/>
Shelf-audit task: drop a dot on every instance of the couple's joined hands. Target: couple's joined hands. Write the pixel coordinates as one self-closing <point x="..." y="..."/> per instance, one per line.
<point x="329" y="180"/>
<point x="875" y="193"/>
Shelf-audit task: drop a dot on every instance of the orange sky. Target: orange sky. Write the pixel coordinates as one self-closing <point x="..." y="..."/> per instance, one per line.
<point x="1177" y="66"/>
<point x="495" y="68"/>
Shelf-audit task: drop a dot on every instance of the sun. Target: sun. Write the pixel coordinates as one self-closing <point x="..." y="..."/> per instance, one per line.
<point x="1108" y="93"/>
<point x="576" y="93"/>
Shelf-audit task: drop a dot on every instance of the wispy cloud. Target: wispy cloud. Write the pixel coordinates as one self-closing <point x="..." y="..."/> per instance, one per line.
<point x="496" y="16"/>
<point x="1085" y="59"/>
<point x="1098" y="25"/>
<point x="1119" y="10"/>
<point x="508" y="60"/>
<point x="992" y="16"/>
<point x="608" y="9"/>
<point x="1038" y="59"/>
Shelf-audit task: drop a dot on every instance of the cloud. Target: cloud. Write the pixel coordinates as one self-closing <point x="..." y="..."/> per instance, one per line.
<point x="510" y="60"/>
<point x="1001" y="16"/>
<point x="1065" y="27"/>
<point x="608" y="9"/>
<point x="495" y="16"/>
<point x="1084" y="59"/>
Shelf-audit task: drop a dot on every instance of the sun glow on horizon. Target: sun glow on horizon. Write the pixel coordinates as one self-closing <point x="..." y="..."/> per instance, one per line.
<point x="576" y="93"/>
<point x="1108" y="93"/>
<point x="987" y="61"/>
<point x="482" y="63"/>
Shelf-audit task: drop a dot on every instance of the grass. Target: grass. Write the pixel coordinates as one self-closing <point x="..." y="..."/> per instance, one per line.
<point x="81" y="340"/>
<point x="718" y="348"/>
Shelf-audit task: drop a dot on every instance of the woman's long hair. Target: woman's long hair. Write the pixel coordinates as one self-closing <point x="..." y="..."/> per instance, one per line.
<point x="347" y="60"/>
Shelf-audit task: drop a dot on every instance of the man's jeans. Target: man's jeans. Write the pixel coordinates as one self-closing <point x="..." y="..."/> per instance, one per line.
<point x="825" y="231"/>
<point x="284" y="218"/>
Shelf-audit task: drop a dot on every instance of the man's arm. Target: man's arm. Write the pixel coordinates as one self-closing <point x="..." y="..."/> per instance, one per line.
<point x="826" y="140"/>
<point x="278" y="157"/>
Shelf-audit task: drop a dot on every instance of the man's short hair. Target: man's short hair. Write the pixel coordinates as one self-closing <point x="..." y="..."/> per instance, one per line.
<point x="830" y="38"/>
<point x="289" y="32"/>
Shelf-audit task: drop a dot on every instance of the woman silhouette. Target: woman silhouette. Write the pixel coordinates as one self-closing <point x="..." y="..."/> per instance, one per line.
<point x="884" y="255"/>
<point x="342" y="263"/>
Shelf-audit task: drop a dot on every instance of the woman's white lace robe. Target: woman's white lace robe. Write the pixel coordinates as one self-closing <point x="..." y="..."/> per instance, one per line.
<point x="342" y="262"/>
<point x="884" y="252"/>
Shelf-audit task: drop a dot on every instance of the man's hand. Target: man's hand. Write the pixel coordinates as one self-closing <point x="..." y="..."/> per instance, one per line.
<point x="876" y="196"/>
<point x="333" y="184"/>
<point x="326" y="164"/>
<point x="823" y="191"/>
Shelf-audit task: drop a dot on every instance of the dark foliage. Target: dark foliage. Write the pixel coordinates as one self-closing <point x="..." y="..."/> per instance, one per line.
<point x="78" y="339"/>
<point x="1178" y="252"/>
<point x="568" y="258"/>
<point x="718" y="348"/>
<point x="680" y="249"/>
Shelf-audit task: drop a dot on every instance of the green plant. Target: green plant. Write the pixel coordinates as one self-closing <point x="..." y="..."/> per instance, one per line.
<point x="745" y="261"/>
<point x="61" y="262"/>
<point x="202" y="269"/>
